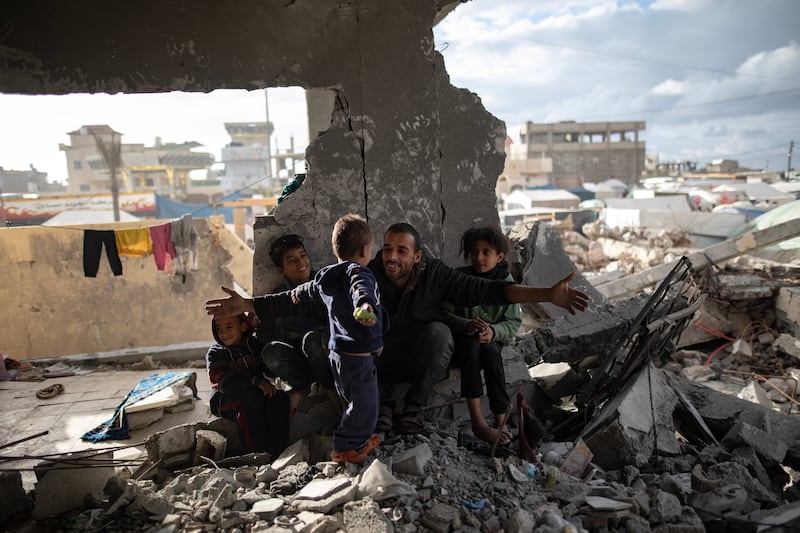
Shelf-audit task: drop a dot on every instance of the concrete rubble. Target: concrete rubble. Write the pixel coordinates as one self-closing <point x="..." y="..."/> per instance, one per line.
<point x="670" y="411"/>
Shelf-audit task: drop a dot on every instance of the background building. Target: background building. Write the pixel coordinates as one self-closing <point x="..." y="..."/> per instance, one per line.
<point x="583" y="151"/>
<point x="247" y="158"/>
<point x="163" y="168"/>
<point x="26" y="182"/>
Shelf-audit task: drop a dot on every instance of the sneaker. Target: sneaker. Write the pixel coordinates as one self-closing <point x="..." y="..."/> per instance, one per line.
<point x="356" y="456"/>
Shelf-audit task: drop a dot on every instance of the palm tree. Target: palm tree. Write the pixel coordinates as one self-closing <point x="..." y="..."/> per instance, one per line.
<point x="112" y="155"/>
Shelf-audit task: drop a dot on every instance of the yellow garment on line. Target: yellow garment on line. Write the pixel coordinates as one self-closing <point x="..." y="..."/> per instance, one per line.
<point x="133" y="242"/>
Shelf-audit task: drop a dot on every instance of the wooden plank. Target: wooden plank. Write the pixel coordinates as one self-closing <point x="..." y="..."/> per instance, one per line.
<point x="723" y="251"/>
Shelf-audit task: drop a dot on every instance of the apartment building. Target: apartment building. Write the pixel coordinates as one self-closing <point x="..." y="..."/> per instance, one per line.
<point x="582" y="151"/>
<point x="162" y="168"/>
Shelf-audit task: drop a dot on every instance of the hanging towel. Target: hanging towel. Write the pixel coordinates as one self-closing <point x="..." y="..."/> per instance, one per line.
<point x="163" y="249"/>
<point x="134" y="242"/>
<point x="93" y="241"/>
<point x="184" y="237"/>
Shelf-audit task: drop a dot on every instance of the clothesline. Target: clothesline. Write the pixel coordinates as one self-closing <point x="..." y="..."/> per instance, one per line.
<point x="165" y="242"/>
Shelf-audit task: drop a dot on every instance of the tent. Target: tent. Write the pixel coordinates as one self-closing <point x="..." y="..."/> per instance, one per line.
<point x="88" y="216"/>
<point x="782" y="252"/>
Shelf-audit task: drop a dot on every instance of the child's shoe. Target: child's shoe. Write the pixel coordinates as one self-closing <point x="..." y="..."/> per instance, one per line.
<point x="356" y="456"/>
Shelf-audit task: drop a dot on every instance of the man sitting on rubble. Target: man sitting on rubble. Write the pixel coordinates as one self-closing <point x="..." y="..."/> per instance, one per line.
<point x="413" y="287"/>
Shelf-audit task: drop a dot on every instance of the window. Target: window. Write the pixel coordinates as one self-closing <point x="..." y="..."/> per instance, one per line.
<point x="84" y="187"/>
<point x="77" y="165"/>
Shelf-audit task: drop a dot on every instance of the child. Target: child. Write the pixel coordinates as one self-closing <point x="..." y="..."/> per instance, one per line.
<point x="348" y="289"/>
<point x="479" y="333"/>
<point x="289" y="256"/>
<point x="241" y="390"/>
<point x="297" y="349"/>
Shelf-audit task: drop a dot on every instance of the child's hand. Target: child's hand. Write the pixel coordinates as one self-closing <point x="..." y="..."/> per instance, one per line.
<point x="485" y="336"/>
<point x="477" y="326"/>
<point x="233" y="305"/>
<point x="365" y="316"/>
<point x="267" y="388"/>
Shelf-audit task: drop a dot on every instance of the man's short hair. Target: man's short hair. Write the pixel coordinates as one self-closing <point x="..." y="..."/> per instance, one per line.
<point x="350" y="234"/>
<point x="283" y="244"/>
<point x="405" y="227"/>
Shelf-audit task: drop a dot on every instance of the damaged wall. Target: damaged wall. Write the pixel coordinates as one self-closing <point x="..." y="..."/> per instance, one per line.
<point x="403" y="143"/>
<point x="50" y="308"/>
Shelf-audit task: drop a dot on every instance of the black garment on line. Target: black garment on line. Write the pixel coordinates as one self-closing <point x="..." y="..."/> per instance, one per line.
<point x="92" y="248"/>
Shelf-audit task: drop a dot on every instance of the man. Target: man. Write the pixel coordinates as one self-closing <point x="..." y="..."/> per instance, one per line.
<point x="418" y="345"/>
<point x="413" y="287"/>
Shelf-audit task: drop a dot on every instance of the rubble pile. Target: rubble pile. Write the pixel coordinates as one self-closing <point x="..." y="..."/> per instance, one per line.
<point x="624" y="439"/>
<point x="604" y="249"/>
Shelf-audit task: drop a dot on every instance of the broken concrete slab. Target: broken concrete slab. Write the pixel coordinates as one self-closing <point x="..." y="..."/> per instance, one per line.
<point x="321" y="495"/>
<point x="53" y="478"/>
<point x="721" y="411"/>
<point x="769" y="448"/>
<point x="543" y="262"/>
<point x="635" y="423"/>
<point x="788" y="344"/>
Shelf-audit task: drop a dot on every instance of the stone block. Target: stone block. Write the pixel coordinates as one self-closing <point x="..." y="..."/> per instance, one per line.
<point x="51" y="496"/>
<point x="664" y="507"/>
<point x="142" y="419"/>
<point x="788" y="344"/>
<point x="209" y="444"/>
<point x="365" y="515"/>
<point x="268" y="509"/>
<point x="787" y="307"/>
<point x="519" y="521"/>
<point x="442" y="518"/>
<point x="624" y="431"/>
<point x="769" y="448"/>
<point x="698" y="373"/>
<point x="322" y="495"/>
<point x="14" y="501"/>
<point x="297" y="452"/>
<point x="753" y="392"/>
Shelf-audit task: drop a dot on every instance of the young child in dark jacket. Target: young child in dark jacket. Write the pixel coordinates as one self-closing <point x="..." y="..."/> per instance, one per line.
<point x="357" y="323"/>
<point x="241" y="391"/>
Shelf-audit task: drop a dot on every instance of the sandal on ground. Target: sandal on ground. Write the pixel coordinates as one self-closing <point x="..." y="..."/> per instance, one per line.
<point x="410" y="423"/>
<point x="50" y="392"/>
<point x="385" y="421"/>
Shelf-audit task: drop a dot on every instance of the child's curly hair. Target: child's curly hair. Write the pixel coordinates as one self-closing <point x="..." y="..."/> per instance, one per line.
<point x="493" y="236"/>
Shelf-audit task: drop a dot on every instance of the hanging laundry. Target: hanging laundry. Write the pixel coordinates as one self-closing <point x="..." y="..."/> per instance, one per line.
<point x="163" y="249"/>
<point x="133" y="242"/>
<point x="93" y="241"/>
<point x="184" y="237"/>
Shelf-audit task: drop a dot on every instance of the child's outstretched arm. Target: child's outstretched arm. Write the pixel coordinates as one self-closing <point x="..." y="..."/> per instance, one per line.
<point x="233" y="305"/>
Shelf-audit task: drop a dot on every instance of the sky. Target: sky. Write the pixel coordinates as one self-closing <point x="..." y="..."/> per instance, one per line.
<point x="712" y="79"/>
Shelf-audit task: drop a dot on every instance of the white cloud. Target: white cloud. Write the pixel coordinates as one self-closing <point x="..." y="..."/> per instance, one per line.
<point x="696" y="66"/>
<point x="669" y="87"/>
<point x="685" y="6"/>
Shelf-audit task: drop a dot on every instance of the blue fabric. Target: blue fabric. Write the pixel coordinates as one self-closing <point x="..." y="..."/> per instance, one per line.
<point x="116" y="427"/>
<point x="168" y="208"/>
